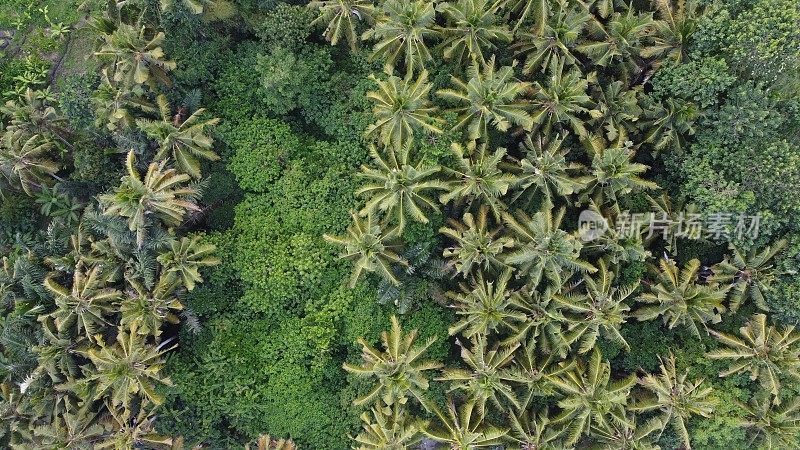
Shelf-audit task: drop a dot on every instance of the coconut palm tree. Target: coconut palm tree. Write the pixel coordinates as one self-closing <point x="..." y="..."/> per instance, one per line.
<point x="622" y="239"/>
<point x="556" y="39"/>
<point x="667" y="124"/>
<point x="115" y="106"/>
<point x="542" y="248"/>
<point x="83" y="307"/>
<point x="185" y="139"/>
<point x="131" y="429"/>
<point x="535" y="368"/>
<point x="680" y="300"/>
<point x="523" y="10"/>
<point x="472" y="27"/>
<point x="401" y="109"/>
<point x="591" y="398"/>
<point x="150" y="309"/>
<point x="534" y="430"/>
<point x="462" y="429"/>
<point x="672" y="33"/>
<point x="562" y="100"/>
<point x="475" y="246"/>
<point x="401" y="33"/>
<point x="749" y="274"/>
<point x="676" y="398"/>
<point x="128" y="369"/>
<point x="73" y="430"/>
<point x="484" y="307"/>
<point x="478" y="177"/>
<point x="545" y="169"/>
<point x="600" y="311"/>
<point x="398" y="369"/>
<point x="397" y="188"/>
<point x="186" y="256"/>
<point x="490" y="97"/>
<point x="617" y="109"/>
<point x="341" y="18"/>
<point x="626" y="436"/>
<point x="620" y="41"/>
<point x="161" y="194"/>
<point x="543" y="328"/>
<point x="26" y="162"/>
<point x="773" y="427"/>
<point x="388" y="429"/>
<point x="33" y="113"/>
<point x="487" y="377"/>
<point x="370" y="247"/>
<point x="135" y="54"/>
<point x="613" y="172"/>
<point x="265" y="442"/>
<point x="767" y="352"/>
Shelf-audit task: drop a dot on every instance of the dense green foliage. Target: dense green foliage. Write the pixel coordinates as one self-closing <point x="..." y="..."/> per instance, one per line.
<point x="360" y="223"/>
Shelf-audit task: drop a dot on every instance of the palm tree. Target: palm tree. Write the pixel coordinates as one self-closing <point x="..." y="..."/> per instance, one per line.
<point x="487" y="377"/>
<point x="401" y="108"/>
<point x="775" y="427"/>
<point x="478" y="177"/>
<point x="620" y="41"/>
<point x="591" y="398"/>
<point x="161" y="194"/>
<point x="600" y="311"/>
<point x="556" y="39"/>
<point x="667" y="124"/>
<point x="266" y="442"/>
<point x="749" y="274"/>
<point x="150" y="309"/>
<point x="128" y="369"/>
<point x="673" y="32"/>
<point x="626" y="436"/>
<point x="127" y="430"/>
<point x="536" y="10"/>
<point x="135" y="54"/>
<point x="543" y="328"/>
<point x="613" y="172"/>
<point x="475" y="245"/>
<point x="115" y="105"/>
<point x="485" y="307"/>
<point x="680" y="300"/>
<point x="388" y="430"/>
<point x="534" y="431"/>
<point x="75" y="430"/>
<point x="401" y="33"/>
<point x="676" y="220"/>
<point x="490" y="97"/>
<point x="184" y="139"/>
<point x="535" y="368"/>
<point x="462" y="430"/>
<point x="561" y="100"/>
<point x="617" y="109"/>
<point x="34" y="113"/>
<point x="542" y="248"/>
<point x="398" y="368"/>
<point x="186" y="256"/>
<point x="26" y="162"/>
<point x="675" y="398"/>
<point x="397" y="188"/>
<point x="766" y="352"/>
<point x="472" y="26"/>
<point x="370" y="247"/>
<point x="621" y="240"/>
<point x="341" y="18"/>
<point x="545" y="169"/>
<point x="83" y="307"/>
